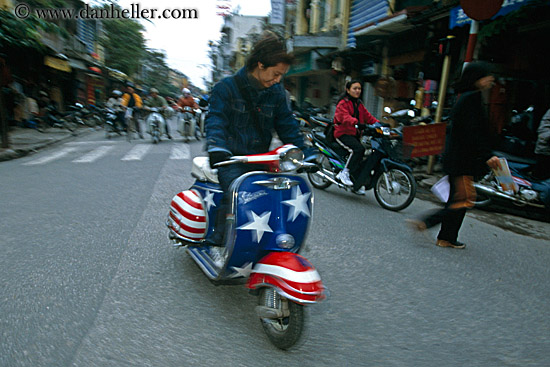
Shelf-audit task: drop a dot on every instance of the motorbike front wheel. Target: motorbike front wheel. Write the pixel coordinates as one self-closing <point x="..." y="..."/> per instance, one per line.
<point x="315" y="178"/>
<point x="394" y="190"/>
<point x="285" y="331"/>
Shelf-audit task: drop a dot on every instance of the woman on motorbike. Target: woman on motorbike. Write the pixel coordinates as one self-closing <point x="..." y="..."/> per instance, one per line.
<point x="467" y="154"/>
<point x="350" y="112"/>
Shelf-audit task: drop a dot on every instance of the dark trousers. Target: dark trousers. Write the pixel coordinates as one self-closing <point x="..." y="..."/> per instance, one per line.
<point x="356" y="152"/>
<point x="452" y="215"/>
<point x="363" y="176"/>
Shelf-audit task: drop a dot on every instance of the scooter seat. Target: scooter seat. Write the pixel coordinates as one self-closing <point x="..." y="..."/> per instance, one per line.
<point x="201" y="170"/>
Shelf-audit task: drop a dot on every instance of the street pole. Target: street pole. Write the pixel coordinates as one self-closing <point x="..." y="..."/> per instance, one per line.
<point x="442" y="90"/>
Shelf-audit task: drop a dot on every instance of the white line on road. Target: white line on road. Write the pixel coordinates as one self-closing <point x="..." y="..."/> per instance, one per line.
<point x="94" y="154"/>
<point x="51" y="157"/>
<point x="180" y="151"/>
<point x="137" y="153"/>
<point x="94" y="142"/>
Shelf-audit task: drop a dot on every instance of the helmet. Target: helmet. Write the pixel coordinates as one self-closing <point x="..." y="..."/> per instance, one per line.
<point x="186" y="91"/>
<point x="117" y="93"/>
<point x="154" y="90"/>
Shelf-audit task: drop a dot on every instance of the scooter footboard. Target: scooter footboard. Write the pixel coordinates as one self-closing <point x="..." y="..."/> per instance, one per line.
<point x="292" y="275"/>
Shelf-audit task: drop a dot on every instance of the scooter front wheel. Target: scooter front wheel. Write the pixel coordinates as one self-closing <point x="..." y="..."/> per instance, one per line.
<point x="315" y="178"/>
<point x="394" y="190"/>
<point x="282" y="320"/>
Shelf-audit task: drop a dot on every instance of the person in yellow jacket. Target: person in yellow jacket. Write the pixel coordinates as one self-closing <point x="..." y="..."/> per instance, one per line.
<point x="131" y="100"/>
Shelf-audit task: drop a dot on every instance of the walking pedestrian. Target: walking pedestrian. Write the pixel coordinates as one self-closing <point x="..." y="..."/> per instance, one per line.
<point x="467" y="154"/>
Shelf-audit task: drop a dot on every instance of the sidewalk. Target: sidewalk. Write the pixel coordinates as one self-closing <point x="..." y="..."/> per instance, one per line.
<point x="24" y="141"/>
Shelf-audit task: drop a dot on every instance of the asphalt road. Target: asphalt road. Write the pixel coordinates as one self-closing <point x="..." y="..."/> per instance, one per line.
<point x="89" y="278"/>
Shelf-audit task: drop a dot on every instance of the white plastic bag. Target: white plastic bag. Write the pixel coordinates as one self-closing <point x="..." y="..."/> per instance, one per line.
<point x="442" y="188"/>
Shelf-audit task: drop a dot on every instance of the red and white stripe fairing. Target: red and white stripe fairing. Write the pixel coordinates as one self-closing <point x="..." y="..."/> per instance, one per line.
<point x="291" y="274"/>
<point x="187" y="215"/>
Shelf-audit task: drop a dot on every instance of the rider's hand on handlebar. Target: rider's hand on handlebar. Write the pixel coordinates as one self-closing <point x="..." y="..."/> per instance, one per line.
<point x="217" y="157"/>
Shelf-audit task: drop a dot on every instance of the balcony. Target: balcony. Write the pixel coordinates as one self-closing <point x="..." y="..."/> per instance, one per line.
<point x="305" y="43"/>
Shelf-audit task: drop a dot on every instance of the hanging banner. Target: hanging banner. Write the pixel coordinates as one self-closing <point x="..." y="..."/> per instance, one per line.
<point x="458" y="17"/>
<point x="277" y="12"/>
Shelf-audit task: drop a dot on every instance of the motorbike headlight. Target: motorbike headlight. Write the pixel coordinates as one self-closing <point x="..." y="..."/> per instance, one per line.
<point x="285" y="241"/>
<point x="291" y="159"/>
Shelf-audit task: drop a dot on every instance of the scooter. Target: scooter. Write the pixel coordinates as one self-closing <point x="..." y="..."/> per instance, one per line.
<point x="111" y="123"/>
<point x="524" y="191"/>
<point x="268" y="221"/>
<point x="188" y="124"/>
<point x="155" y="121"/>
<point x="392" y="180"/>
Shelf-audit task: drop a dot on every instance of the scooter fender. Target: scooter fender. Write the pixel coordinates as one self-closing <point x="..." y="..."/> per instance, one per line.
<point x="388" y="164"/>
<point x="292" y="276"/>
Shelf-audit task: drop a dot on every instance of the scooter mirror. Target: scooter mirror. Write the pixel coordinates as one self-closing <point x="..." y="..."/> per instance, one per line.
<point x="387" y="109"/>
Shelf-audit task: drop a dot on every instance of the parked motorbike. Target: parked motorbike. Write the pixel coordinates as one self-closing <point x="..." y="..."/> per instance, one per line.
<point x="268" y="221"/>
<point x="187" y="122"/>
<point x="528" y="192"/>
<point x="392" y="180"/>
<point x="155" y="121"/>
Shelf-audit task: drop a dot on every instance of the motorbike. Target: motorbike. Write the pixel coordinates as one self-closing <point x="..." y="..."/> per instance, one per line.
<point x="392" y="180"/>
<point x="155" y="121"/>
<point x="268" y="221"/>
<point x="111" y="122"/>
<point x="187" y="123"/>
<point x="526" y="192"/>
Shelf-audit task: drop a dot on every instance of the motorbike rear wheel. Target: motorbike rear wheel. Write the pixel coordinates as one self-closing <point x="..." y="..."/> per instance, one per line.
<point x="286" y="331"/>
<point x="315" y="178"/>
<point x="399" y="194"/>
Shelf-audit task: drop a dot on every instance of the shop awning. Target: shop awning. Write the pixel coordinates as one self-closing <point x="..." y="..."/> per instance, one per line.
<point x="392" y="25"/>
<point x="77" y="64"/>
<point x="57" y="64"/>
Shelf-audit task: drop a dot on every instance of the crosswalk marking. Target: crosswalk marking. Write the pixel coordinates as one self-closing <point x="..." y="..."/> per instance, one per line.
<point x="180" y="151"/>
<point x="51" y="157"/>
<point x="94" y="154"/>
<point x="137" y="153"/>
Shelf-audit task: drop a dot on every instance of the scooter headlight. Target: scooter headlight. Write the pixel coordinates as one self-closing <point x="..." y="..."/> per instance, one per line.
<point x="285" y="241"/>
<point x="291" y="159"/>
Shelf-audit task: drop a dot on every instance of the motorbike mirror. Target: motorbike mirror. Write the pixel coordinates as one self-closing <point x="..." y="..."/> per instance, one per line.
<point x="412" y="102"/>
<point x="387" y="109"/>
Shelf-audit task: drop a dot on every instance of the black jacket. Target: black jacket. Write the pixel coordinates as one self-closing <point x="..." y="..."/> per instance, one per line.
<point x="467" y="147"/>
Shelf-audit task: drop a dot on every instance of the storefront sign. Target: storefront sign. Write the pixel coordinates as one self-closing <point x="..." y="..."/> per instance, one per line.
<point x="277" y="12"/>
<point x="57" y="64"/>
<point x="425" y="139"/>
<point x="458" y="17"/>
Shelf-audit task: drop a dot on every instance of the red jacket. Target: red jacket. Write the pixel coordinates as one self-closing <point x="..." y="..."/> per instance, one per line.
<point x="344" y="122"/>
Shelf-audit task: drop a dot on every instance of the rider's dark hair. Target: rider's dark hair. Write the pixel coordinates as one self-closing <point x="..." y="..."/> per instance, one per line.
<point x="269" y="50"/>
<point x="348" y="86"/>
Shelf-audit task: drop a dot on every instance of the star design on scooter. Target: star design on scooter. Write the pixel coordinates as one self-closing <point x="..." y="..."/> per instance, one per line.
<point x="298" y="204"/>
<point x="258" y="223"/>
<point x="242" y="272"/>
<point x="209" y="200"/>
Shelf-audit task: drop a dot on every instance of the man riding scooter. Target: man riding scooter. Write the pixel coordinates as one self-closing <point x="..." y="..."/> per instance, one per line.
<point x="155" y="100"/>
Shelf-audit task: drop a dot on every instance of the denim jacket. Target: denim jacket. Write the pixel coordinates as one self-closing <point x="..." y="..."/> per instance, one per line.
<point x="230" y="126"/>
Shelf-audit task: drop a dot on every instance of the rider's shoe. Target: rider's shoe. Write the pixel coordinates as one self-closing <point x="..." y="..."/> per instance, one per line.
<point x="343" y="176"/>
<point x="217" y="254"/>
<point x="360" y="191"/>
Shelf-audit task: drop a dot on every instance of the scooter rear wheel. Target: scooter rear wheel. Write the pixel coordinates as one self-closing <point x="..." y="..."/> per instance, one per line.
<point x="399" y="194"/>
<point x="283" y="332"/>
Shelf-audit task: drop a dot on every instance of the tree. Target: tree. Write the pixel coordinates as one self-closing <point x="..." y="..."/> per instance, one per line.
<point x="124" y="44"/>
